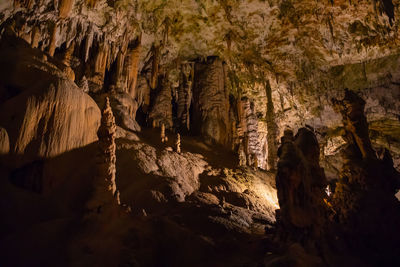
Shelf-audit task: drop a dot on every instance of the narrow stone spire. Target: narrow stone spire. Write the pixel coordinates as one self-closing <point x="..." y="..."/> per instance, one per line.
<point x="105" y="188"/>
<point x="178" y="143"/>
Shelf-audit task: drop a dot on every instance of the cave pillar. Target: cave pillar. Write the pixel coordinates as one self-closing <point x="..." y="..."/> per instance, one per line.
<point x="211" y="103"/>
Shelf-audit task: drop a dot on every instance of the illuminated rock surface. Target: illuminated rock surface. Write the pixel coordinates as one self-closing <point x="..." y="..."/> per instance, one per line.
<point x="229" y="77"/>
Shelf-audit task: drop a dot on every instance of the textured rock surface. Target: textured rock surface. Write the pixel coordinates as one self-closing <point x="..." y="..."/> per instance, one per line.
<point x="301" y="184"/>
<point x="161" y="112"/>
<point x="105" y="188"/>
<point x="211" y="103"/>
<point x="50" y="115"/>
<point x="4" y="142"/>
<point x="364" y="195"/>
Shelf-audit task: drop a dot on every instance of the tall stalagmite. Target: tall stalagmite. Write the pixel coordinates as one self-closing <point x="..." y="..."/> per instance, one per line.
<point x="105" y="187"/>
<point x="300" y="183"/>
<point x="364" y="204"/>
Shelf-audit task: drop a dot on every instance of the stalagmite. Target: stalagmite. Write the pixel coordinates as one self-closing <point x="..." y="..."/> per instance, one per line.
<point x="300" y="184"/>
<point x="352" y="110"/>
<point x="365" y="207"/>
<point x="105" y="196"/>
<point x="178" y="143"/>
<point x="162" y="134"/>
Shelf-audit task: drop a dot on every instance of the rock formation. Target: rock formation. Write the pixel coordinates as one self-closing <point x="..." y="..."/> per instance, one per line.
<point x="4" y="142"/>
<point x="300" y="183"/>
<point x="105" y="194"/>
<point x="364" y="203"/>
<point x="184" y="96"/>
<point x="161" y="111"/>
<point x="48" y="114"/>
<point x="178" y="143"/>
<point x="163" y="137"/>
<point x="211" y="103"/>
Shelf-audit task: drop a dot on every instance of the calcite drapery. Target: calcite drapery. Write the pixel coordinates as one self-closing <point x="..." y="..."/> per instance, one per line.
<point x="211" y="102"/>
<point x="185" y="91"/>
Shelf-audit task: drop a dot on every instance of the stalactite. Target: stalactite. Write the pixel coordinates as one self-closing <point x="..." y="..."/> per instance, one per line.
<point x="133" y="66"/>
<point x="35" y="37"/>
<point x="185" y="96"/>
<point x="271" y="127"/>
<point x="91" y="3"/>
<point x="68" y="54"/>
<point x="65" y="7"/>
<point x="117" y="75"/>
<point x="211" y="103"/>
<point x="155" y="66"/>
<point x="88" y="44"/>
<point x="252" y="145"/>
<point x="101" y="60"/>
<point x="24" y="3"/>
<point x="161" y="110"/>
<point x="53" y="39"/>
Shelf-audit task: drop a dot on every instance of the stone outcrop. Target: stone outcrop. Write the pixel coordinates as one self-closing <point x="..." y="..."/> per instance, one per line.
<point x="211" y="102"/>
<point x="124" y="109"/>
<point x="46" y="114"/>
<point x="364" y="200"/>
<point x="300" y="183"/>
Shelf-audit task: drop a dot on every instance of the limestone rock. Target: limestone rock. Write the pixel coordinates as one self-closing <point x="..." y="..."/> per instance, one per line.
<point x="211" y="103"/>
<point x="47" y="114"/>
<point x="364" y="197"/>
<point x="161" y="111"/>
<point x="122" y="133"/>
<point x="300" y="183"/>
<point x="184" y="95"/>
<point x="105" y="190"/>
<point x="4" y="142"/>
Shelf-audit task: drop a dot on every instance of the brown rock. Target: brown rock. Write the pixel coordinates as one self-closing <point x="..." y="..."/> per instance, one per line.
<point x="300" y="183"/>
<point x="4" y="142"/>
<point x="105" y="194"/>
<point x="211" y="103"/>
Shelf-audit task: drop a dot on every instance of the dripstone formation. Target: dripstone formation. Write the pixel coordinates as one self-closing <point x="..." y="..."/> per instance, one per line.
<point x="362" y="211"/>
<point x="365" y="207"/>
<point x="105" y="192"/>
<point x="300" y="183"/>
